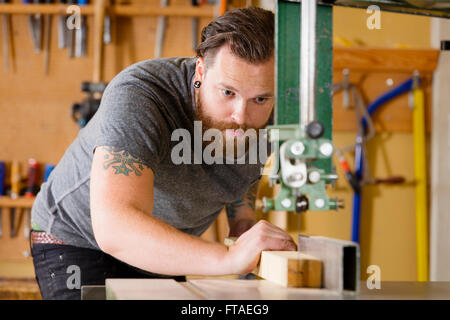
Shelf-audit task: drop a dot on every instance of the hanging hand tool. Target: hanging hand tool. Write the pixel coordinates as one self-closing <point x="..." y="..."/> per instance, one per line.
<point x="84" y="111"/>
<point x="107" y="29"/>
<point x="48" y="169"/>
<point x="389" y="180"/>
<point x="80" y="34"/>
<point x="35" y="21"/>
<point x="2" y="184"/>
<point x="223" y="6"/>
<point x="15" y="191"/>
<point x="160" y="31"/>
<point x="351" y="178"/>
<point x="99" y="20"/>
<point x="70" y="35"/>
<point x="33" y="175"/>
<point x="31" y="191"/>
<point x="6" y="37"/>
<point x="194" y="28"/>
<point x="62" y="33"/>
<point x="48" y="32"/>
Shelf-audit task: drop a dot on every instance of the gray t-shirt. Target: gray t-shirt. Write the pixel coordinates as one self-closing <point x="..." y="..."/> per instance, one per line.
<point x="140" y="109"/>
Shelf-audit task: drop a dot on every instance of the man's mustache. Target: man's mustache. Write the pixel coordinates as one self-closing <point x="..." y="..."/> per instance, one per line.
<point x="222" y="126"/>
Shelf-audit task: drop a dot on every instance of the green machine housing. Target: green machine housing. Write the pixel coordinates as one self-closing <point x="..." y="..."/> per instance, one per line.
<point x="293" y="143"/>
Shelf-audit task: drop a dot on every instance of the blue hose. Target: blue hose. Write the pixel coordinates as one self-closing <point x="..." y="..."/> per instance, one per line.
<point x="357" y="195"/>
<point x="357" y="198"/>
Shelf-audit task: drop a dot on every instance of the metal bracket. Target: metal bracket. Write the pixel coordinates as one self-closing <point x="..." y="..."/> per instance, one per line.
<point x="340" y="261"/>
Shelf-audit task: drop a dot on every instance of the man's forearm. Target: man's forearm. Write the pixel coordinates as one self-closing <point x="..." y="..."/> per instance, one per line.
<point x="241" y="213"/>
<point x="238" y="227"/>
<point x="152" y="245"/>
<point x="240" y="218"/>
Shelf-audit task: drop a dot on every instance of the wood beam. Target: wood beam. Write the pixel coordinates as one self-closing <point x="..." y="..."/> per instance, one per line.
<point x="288" y="268"/>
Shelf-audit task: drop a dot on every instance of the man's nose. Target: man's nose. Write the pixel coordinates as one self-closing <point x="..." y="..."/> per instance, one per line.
<point x="238" y="115"/>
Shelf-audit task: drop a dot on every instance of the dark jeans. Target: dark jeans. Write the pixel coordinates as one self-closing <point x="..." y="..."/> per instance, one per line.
<point x="60" y="268"/>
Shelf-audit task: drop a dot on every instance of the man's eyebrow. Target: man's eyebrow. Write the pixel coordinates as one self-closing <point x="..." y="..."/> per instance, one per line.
<point x="263" y="95"/>
<point x="227" y="86"/>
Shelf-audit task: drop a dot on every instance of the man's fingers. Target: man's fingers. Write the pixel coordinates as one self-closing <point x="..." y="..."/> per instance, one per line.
<point x="268" y="227"/>
<point x="277" y="235"/>
<point x="274" y="244"/>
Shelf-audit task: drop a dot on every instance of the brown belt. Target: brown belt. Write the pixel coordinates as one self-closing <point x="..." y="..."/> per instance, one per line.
<point x="44" y="237"/>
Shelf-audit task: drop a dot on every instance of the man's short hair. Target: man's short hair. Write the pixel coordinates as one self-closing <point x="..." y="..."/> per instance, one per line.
<point x="248" y="31"/>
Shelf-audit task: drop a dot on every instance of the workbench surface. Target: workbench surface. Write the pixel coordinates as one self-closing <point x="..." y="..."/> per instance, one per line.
<point x="232" y="289"/>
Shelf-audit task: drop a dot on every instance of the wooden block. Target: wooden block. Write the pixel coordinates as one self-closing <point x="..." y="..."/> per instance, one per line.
<point x="291" y="269"/>
<point x="288" y="268"/>
<point x="147" y="289"/>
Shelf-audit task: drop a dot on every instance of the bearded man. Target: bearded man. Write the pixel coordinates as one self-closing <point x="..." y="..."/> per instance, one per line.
<point x="118" y="205"/>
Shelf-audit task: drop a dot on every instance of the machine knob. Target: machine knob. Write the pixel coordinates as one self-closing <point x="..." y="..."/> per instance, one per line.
<point x="314" y="130"/>
<point x="301" y="204"/>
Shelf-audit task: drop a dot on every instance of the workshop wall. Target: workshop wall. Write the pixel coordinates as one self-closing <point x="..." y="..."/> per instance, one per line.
<point x="35" y="122"/>
<point x="35" y="109"/>
<point x="396" y="30"/>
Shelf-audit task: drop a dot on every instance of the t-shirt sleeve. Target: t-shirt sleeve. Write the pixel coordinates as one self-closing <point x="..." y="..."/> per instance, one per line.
<point x="129" y="119"/>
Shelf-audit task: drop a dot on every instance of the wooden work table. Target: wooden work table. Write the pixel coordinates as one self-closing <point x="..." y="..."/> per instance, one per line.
<point x="232" y="289"/>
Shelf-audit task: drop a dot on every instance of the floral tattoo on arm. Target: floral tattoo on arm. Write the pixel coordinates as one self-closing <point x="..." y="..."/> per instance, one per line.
<point x="122" y="162"/>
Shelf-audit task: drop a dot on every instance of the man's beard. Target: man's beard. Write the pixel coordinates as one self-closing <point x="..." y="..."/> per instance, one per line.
<point x="227" y="139"/>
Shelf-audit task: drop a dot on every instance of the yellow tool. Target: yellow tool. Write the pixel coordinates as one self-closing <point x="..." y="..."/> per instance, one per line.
<point x="420" y="174"/>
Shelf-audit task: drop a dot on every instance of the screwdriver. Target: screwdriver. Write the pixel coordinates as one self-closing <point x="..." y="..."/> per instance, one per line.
<point x="70" y="35"/>
<point x="80" y="34"/>
<point x="5" y="37"/>
<point x="15" y="190"/>
<point x="351" y="177"/>
<point x="194" y="28"/>
<point x="48" y="169"/>
<point x="31" y="191"/>
<point x="48" y="32"/>
<point x="160" y="31"/>
<point x="32" y="182"/>
<point x="62" y="36"/>
<point x="107" y="28"/>
<point x="35" y="26"/>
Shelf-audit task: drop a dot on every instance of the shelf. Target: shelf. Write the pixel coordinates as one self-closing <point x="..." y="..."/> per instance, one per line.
<point x="206" y="11"/>
<point x="385" y="60"/>
<point x="20" y="202"/>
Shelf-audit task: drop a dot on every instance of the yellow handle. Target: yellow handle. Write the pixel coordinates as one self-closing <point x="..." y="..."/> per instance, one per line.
<point x="421" y="196"/>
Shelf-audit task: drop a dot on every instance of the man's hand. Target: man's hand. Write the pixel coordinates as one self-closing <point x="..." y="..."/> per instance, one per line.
<point x="243" y="256"/>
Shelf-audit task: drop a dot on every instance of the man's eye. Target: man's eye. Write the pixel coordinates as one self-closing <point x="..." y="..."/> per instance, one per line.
<point x="227" y="93"/>
<point x="260" y="100"/>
